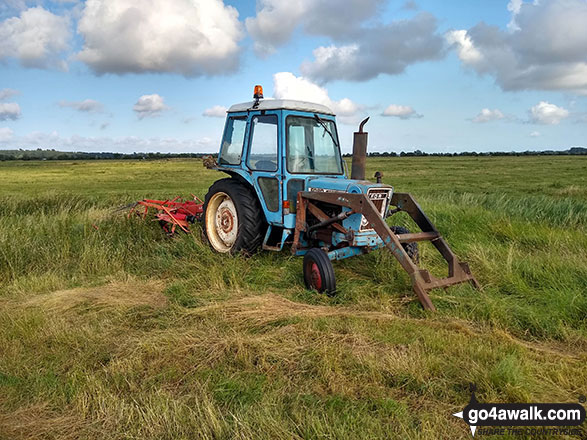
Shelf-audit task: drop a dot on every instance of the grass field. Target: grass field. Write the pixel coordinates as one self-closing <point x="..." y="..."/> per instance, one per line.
<point x="109" y="330"/>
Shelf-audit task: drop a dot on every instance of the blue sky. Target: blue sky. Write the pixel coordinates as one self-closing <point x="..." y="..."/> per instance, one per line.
<point x="156" y="75"/>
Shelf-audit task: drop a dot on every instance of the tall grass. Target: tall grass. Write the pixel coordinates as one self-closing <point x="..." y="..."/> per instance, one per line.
<point x="108" y="329"/>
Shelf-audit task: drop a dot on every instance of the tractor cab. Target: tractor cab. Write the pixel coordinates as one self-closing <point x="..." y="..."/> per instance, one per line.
<point x="276" y="146"/>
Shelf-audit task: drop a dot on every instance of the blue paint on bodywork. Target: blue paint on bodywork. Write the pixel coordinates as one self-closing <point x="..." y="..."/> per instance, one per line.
<point x="346" y="252"/>
<point x="366" y="238"/>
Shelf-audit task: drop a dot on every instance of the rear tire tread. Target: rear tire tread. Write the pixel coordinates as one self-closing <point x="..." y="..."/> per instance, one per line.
<point x="251" y="220"/>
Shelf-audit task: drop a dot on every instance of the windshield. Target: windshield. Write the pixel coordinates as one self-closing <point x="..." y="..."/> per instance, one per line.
<point x="312" y="146"/>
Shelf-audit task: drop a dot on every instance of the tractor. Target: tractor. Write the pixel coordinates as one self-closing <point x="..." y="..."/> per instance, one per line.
<point x="288" y="184"/>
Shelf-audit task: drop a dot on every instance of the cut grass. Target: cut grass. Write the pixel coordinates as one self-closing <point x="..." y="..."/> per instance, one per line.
<point x="110" y="330"/>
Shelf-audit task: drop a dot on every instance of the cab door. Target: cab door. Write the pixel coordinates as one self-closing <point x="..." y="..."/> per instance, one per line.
<point x="264" y="162"/>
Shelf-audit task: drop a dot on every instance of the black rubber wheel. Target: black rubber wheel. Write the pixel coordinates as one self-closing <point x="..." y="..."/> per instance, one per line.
<point x="318" y="272"/>
<point x="166" y="228"/>
<point x="410" y="248"/>
<point x="233" y="218"/>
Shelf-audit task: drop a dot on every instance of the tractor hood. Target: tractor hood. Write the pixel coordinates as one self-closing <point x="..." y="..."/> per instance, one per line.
<point x="328" y="184"/>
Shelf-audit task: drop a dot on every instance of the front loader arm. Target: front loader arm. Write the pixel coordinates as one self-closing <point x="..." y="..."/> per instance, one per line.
<point x="422" y="280"/>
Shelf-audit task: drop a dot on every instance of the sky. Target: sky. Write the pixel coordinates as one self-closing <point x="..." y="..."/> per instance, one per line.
<point x="158" y="75"/>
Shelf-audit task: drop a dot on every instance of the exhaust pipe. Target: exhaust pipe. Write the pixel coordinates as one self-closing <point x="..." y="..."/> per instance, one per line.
<point x="359" y="152"/>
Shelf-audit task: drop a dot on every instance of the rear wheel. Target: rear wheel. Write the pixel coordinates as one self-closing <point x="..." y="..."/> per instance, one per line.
<point x="410" y="248"/>
<point x="233" y="220"/>
<point x="318" y="272"/>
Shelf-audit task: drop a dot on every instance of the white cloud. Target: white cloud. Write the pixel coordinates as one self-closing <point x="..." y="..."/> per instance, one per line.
<point x="9" y="110"/>
<point x="400" y="111"/>
<point x="345" y="107"/>
<point x="358" y="52"/>
<point x="149" y="106"/>
<point x="5" y="134"/>
<point x="10" y="8"/>
<point x="218" y="111"/>
<point x="276" y="20"/>
<point x="87" y="105"/>
<point x="274" y="24"/>
<point x="8" y="93"/>
<point x="544" y="48"/>
<point x="196" y="37"/>
<point x="464" y="46"/>
<point x="371" y="51"/>
<point x="37" y="38"/>
<point x="487" y="115"/>
<point x="547" y="114"/>
<point x="288" y="86"/>
<point x="535" y="134"/>
<point x="514" y="7"/>
<point x="125" y="144"/>
<point x="338" y="58"/>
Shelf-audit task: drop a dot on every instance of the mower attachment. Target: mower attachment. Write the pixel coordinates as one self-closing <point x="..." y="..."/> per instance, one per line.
<point x="422" y="280"/>
<point x="172" y="213"/>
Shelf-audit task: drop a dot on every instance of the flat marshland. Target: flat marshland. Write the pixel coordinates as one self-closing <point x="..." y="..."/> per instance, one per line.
<point x="110" y="330"/>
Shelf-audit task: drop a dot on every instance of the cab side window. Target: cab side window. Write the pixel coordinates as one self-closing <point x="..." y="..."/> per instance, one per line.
<point x="232" y="144"/>
<point x="263" y="151"/>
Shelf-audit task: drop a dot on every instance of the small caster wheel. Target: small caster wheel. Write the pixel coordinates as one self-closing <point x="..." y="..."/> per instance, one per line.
<point x="318" y="272"/>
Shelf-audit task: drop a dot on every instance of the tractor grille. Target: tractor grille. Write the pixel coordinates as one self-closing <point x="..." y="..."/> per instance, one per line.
<point x="380" y="198"/>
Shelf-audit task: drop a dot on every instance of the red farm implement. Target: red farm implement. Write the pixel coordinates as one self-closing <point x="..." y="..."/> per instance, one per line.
<point x="171" y="214"/>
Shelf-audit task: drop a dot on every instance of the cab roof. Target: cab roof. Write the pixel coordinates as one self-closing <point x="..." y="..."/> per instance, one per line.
<point x="281" y="104"/>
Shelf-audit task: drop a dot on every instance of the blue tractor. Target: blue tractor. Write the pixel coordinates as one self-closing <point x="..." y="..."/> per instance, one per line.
<point x="288" y="184"/>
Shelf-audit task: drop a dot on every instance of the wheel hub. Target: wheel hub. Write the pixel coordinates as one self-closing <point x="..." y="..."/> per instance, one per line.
<point x="222" y="222"/>
<point x="226" y="222"/>
<point x="315" y="276"/>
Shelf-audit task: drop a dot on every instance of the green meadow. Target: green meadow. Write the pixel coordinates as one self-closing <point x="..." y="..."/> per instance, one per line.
<point x="111" y="330"/>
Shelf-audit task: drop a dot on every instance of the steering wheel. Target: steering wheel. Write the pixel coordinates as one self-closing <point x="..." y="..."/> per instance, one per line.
<point x="302" y="160"/>
<point x="308" y="156"/>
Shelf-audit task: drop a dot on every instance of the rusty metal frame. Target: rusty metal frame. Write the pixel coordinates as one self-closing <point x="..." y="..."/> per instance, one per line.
<point x="422" y="280"/>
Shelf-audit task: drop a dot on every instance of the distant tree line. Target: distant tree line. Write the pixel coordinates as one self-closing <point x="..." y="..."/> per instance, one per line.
<point x="40" y="154"/>
<point x="51" y="154"/>
<point x="577" y="151"/>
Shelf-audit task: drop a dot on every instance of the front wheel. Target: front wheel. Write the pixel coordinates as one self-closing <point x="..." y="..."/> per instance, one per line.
<point x="410" y="248"/>
<point x="318" y="272"/>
